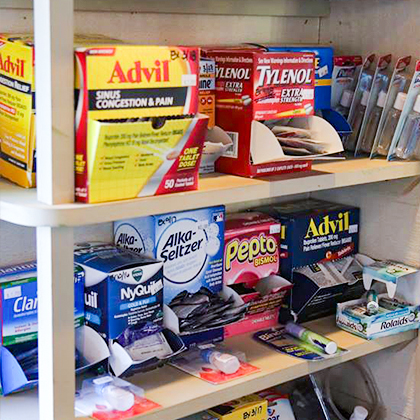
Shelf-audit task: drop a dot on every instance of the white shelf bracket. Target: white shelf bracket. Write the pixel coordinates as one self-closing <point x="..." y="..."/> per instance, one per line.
<point x="54" y="78"/>
<point x="56" y="341"/>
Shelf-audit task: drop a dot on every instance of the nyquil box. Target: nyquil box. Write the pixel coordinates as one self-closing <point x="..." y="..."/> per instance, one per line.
<point x="380" y="325"/>
<point x="190" y="245"/>
<point x="314" y="231"/>
<point x="19" y="302"/>
<point x="122" y="288"/>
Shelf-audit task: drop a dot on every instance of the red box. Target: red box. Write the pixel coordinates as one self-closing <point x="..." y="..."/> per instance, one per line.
<point x="250" y="271"/>
<point x="252" y="86"/>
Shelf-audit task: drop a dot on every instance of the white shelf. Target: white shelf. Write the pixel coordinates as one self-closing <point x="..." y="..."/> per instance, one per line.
<point x="20" y="206"/>
<point x="181" y="394"/>
<point x="305" y="8"/>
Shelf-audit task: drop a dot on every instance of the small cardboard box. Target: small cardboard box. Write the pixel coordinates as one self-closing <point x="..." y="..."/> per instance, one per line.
<point x="324" y="57"/>
<point x="19" y="302"/>
<point x="121" y="155"/>
<point x="190" y="244"/>
<point x="386" y="322"/>
<point x="314" y="231"/>
<point x="249" y="407"/>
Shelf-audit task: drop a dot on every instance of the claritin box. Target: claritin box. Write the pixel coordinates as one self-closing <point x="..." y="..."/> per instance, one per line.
<point x="19" y="302"/>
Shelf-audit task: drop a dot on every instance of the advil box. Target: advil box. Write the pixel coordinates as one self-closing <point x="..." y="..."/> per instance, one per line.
<point x="254" y="86"/>
<point x="248" y="407"/>
<point x="120" y="151"/>
<point x="314" y="231"/>
<point x="323" y="69"/>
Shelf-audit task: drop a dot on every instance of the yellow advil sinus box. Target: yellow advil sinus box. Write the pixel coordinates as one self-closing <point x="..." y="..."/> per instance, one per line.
<point x="251" y="407"/>
<point x="136" y="129"/>
<point x="17" y="109"/>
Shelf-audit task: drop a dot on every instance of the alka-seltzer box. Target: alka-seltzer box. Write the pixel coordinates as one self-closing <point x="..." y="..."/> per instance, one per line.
<point x="314" y="231"/>
<point x="190" y="245"/>
<point x="251" y="264"/>
<point x="324" y="57"/>
<point x="17" y="109"/>
<point x="253" y="86"/>
<point x="122" y="153"/>
<point x="248" y="407"/>
<point x="122" y="288"/>
<point x="19" y="302"/>
<point x="386" y="322"/>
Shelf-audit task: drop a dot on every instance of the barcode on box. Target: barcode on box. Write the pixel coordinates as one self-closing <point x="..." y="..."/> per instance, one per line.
<point x="12" y="292"/>
<point x="232" y="151"/>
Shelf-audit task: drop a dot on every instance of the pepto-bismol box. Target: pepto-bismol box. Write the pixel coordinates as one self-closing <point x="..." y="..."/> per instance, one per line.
<point x="315" y="231"/>
<point x="19" y="302"/>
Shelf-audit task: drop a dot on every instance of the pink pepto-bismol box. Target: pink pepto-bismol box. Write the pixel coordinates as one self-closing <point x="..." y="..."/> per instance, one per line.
<point x="251" y="248"/>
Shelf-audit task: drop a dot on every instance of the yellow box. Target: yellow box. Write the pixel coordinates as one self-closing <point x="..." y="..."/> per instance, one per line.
<point x="251" y="407"/>
<point x="17" y="105"/>
<point x="17" y="109"/>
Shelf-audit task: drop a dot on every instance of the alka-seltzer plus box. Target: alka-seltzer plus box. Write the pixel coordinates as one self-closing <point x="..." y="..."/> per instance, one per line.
<point x="19" y="302"/>
<point x="314" y="231"/>
<point x="190" y="245"/>
<point x="251" y="264"/>
<point x="121" y="152"/>
<point x="17" y="109"/>
<point x="253" y="86"/>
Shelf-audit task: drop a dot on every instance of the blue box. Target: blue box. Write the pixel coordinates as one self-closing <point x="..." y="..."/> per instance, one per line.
<point x="323" y="70"/>
<point x="314" y="231"/>
<point x="122" y="288"/>
<point x="191" y="246"/>
<point x="19" y="302"/>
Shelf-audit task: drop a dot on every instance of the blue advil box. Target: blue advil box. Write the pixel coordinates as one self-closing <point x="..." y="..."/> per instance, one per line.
<point x="314" y="231"/>
<point x="323" y="69"/>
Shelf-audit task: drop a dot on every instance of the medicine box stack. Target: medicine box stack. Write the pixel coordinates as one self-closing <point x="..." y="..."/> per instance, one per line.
<point x="137" y="128"/>
<point x="251" y="265"/>
<point x="253" y="86"/>
<point x="190" y="245"/>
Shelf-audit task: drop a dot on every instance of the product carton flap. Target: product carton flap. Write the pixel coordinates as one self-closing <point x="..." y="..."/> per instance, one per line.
<point x="266" y="148"/>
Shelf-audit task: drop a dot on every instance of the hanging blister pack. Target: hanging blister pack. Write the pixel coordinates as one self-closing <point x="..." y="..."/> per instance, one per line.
<point x="360" y="101"/>
<point x="406" y="140"/>
<point x="397" y="85"/>
<point x="346" y="72"/>
<point x="379" y="84"/>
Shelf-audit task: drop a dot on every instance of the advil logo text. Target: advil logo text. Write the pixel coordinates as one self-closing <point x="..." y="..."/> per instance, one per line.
<point x="328" y="226"/>
<point x="259" y="251"/>
<point x="139" y="74"/>
<point x="15" y="68"/>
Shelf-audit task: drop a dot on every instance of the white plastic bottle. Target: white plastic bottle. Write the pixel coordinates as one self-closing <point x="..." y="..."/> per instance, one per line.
<point x="411" y="134"/>
<point x="359" y="413"/>
<point x="226" y="363"/>
<point x="373" y="123"/>
<point x="391" y="124"/>
<point x="345" y="102"/>
<point x="350" y="143"/>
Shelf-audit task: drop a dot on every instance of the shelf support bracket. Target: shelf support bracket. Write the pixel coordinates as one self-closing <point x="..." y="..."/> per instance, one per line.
<point x="54" y="79"/>
<point x="56" y="342"/>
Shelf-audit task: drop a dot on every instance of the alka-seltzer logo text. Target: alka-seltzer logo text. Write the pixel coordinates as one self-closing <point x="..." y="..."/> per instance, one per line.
<point x="287" y="77"/>
<point x="13" y="67"/>
<point x="128" y="241"/>
<point x="139" y="73"/>
<point x="180" y="244"/>
<point x="259" y="251"/>
<point x="328" y="226"/>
